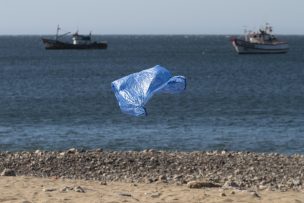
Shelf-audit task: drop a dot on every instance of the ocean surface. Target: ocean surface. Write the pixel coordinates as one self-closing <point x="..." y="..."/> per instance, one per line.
<point x="55" y="100"/>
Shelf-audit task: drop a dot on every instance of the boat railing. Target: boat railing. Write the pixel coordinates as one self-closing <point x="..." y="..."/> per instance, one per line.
<point x="63" y="35"/>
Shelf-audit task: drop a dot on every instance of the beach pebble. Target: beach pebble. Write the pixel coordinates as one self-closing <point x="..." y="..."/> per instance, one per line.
<point x="71" y="151"/>
<point x="230" y="184"/>
<point x="66" y="189"/>
<point x="177" y="177"/>
<point x="49" y="189"/>
<point x="124" y="194"/>
<point x="38" y="152"/>
<point x="78" y="189"/>
<point x="198" y="184"/>
<point x="296" y="182"/>
<point x="148" y="180"/>
<point x="62" y="154"/>
<point x="103" y="183"/>
<point x="234" y="170"/>
<point x="155" y="195"/>
<point x="162" y="178"/>
<point x="263" y="187"/>
<point x="255" y="194"/>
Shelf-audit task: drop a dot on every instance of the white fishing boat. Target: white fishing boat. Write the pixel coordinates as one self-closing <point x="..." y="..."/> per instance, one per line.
<point x="261" y="42"/>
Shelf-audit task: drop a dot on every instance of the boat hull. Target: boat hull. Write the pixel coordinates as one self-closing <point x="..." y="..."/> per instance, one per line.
<point x="244" y="47"/>
<point x="55" y="44"/>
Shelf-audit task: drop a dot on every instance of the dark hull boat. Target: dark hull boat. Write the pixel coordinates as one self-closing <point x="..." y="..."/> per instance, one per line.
<point x="78" y="42"/>
<point x="56" y="44"/>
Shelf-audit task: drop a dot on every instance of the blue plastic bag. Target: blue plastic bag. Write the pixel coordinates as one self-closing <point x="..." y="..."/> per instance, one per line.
<point x="134" y="91"/>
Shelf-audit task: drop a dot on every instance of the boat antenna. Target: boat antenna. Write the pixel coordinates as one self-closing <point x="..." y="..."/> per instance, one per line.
<point x="268" y="28"/>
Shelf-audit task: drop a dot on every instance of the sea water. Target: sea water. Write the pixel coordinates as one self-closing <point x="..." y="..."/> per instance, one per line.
<point x="58" y="99"/>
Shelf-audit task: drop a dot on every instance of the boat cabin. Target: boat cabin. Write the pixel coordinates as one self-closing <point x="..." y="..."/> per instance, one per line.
<point x="263" y="36"/>
<point x="81" y="39"/>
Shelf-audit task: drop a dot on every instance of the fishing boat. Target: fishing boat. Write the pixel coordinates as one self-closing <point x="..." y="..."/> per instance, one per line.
<point x="261" y="42"/>
<point x="78" y="42"/>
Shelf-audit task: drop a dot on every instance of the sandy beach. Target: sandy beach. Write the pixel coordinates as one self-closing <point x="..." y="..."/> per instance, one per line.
<point x="30" y="189"/>
<point x="150" y="176"/>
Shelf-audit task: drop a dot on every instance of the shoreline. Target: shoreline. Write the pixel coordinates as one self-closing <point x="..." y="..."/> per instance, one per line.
<point x="238" y="170"/>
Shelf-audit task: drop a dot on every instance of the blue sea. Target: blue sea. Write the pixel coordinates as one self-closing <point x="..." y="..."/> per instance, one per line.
<point x="55" y="100"/>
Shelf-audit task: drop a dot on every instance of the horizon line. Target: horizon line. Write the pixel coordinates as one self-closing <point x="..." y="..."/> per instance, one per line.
<point x="203" y="34"/>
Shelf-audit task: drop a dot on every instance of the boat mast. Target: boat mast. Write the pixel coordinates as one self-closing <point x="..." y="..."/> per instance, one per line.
<point x="58" y="28"/>
<point x="246" y="34"/>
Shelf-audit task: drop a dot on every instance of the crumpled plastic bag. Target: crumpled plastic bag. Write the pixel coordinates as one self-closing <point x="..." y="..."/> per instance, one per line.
<point x="134" y="91"/>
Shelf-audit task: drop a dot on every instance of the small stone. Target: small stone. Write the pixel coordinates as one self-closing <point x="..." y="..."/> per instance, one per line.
<point x="125" y="194"/>
<point x="263" y="187"/>
<point x="79" y="189"/>
<point x="237" y="171"/>
<point x="49" y="189"/>
<point x="229" y="177"/>
<point x="8" y="172"/>
<point x="99" y="150"/>
<point x="296" y="182"/>
<point x="155" y="194"/>
<point x="233" y="192"/>
<point x="223" y="194"/>
<point x="177" y="177"/>
<point x="38" y="152"/>
<point x="71" y="151"/>
<point x="66" y="188"/>
<point x="103" y="183"/>
<point x="162" y="178"/>
<point x="152" y="151"/>
<point x="230" y="184"/>
<point x="197" y="184"/>
<point x="255" y="194"/>
<point x="148" y="180"/>
<point x="282" y="187"/>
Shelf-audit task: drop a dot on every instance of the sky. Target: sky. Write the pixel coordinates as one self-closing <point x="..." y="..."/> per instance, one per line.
<point x="19" y="17"/>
